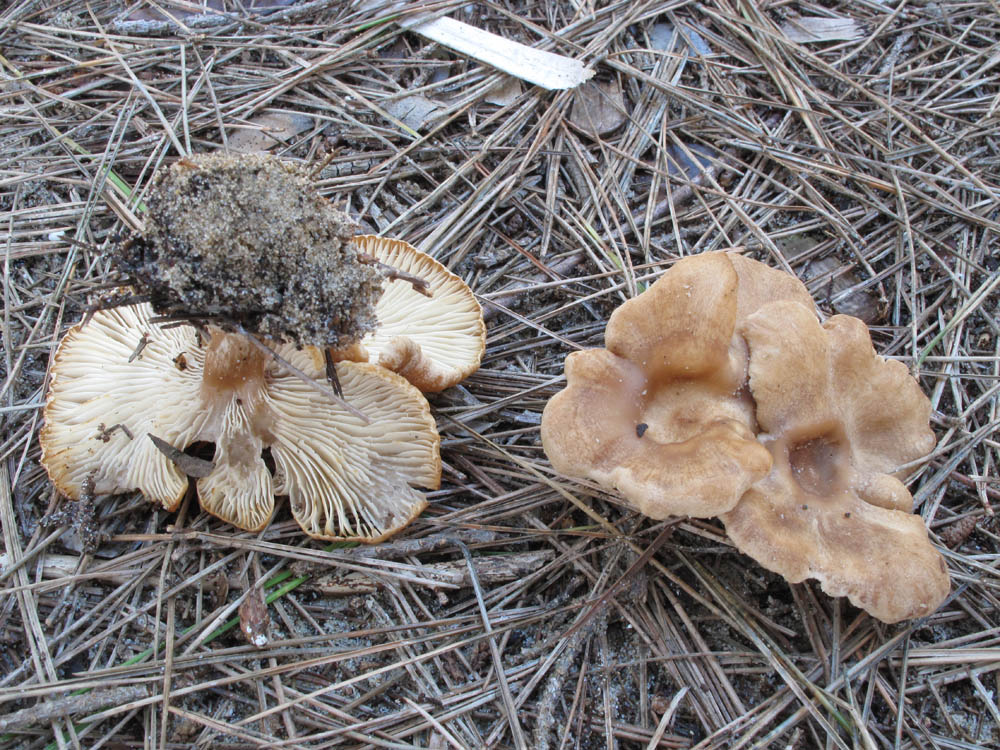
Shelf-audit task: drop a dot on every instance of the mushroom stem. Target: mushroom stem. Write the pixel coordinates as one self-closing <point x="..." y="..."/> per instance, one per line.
<point x="312" y="383"/>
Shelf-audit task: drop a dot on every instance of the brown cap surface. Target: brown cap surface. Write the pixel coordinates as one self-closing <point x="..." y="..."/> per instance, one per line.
<point x="434" y="342"/>
<point x="677" y="450"/>
<point x="661" y="414"/>
<point x="838" y="421"/>
<point x="720" y="393"/>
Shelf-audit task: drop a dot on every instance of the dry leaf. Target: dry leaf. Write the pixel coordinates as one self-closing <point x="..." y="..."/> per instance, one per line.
<point x="272" y="128"/>
<point x="413" y="111"/>
<point x="254" y="618"/>
<point x="860" y="303"/>
<point x="692" y="160"/>
<point x="598" y="107"/>
<point x="661" y="37"/>
<point x="504" y="93"/>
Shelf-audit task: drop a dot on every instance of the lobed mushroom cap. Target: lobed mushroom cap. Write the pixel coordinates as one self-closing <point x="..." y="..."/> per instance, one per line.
<point x="838" y="421"/>
<point x="345" y="479"/>
<point x="673" y="450"/>
<point x="434" y="342"/>
<point x="719" y="393"/>
<point x="662" y="414"/>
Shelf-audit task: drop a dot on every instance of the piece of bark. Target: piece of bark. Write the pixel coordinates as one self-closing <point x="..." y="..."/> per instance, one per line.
<point x="490" y="569"/>
<point x="72" y="705"/>
<point x="61" y="566"/>
<point x="255" y="621"/>
<point x="493" y="568"/>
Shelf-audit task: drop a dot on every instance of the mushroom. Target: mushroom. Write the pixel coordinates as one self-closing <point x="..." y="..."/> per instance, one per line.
<point x="720" y="393"/>
<point x="662" y="414"/>
<point x="838" y="421"/>
<point x="345" y="478"/>
<point x="266" y="291"/>
<point x="434" y="343"/>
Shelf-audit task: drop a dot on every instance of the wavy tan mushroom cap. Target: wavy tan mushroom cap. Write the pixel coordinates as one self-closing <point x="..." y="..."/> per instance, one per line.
<point x="673" y="449"/>
<point x="434" y="342"/>
<point x="838" y="421"/>
<point x="662" y="414"/>
<point x="345" y="479"/>
<point x="759" y="285"/>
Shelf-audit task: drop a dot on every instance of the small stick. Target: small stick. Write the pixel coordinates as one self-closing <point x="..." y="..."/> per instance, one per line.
<point x="104" y="433"/>
<point x="498" y="667"/>
<point x="143" y="341"/>
<point x="322" y="165"/>
<point x="331" y="372"/>
<point x="394" y="274"/>
<point x="71" y="705"/>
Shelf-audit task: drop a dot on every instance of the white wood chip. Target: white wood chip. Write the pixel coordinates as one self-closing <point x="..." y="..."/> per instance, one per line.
<point x="545" y="69"/>
<point x="807" y="29"/>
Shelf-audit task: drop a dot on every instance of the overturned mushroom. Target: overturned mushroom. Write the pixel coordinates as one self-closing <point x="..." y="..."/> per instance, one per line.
<point x="433" y="343"/>
<point x="258" y="293"/>
<point x="719" y="393"/>
<point x="838" y="421"/>
<point x="345" y="479"/>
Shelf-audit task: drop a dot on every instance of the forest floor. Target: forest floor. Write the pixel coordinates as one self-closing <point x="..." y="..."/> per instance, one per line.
<point x="853" y="143"/>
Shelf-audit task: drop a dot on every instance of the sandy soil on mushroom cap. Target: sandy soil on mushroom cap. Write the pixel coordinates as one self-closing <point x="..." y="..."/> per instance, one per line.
<point x="863" y="161"/>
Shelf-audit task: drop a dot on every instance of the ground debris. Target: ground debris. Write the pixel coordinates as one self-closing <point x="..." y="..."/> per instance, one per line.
<point x="866" y="166"/>
<point x="79" y="515"/>
<point x="72" y="705"/>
